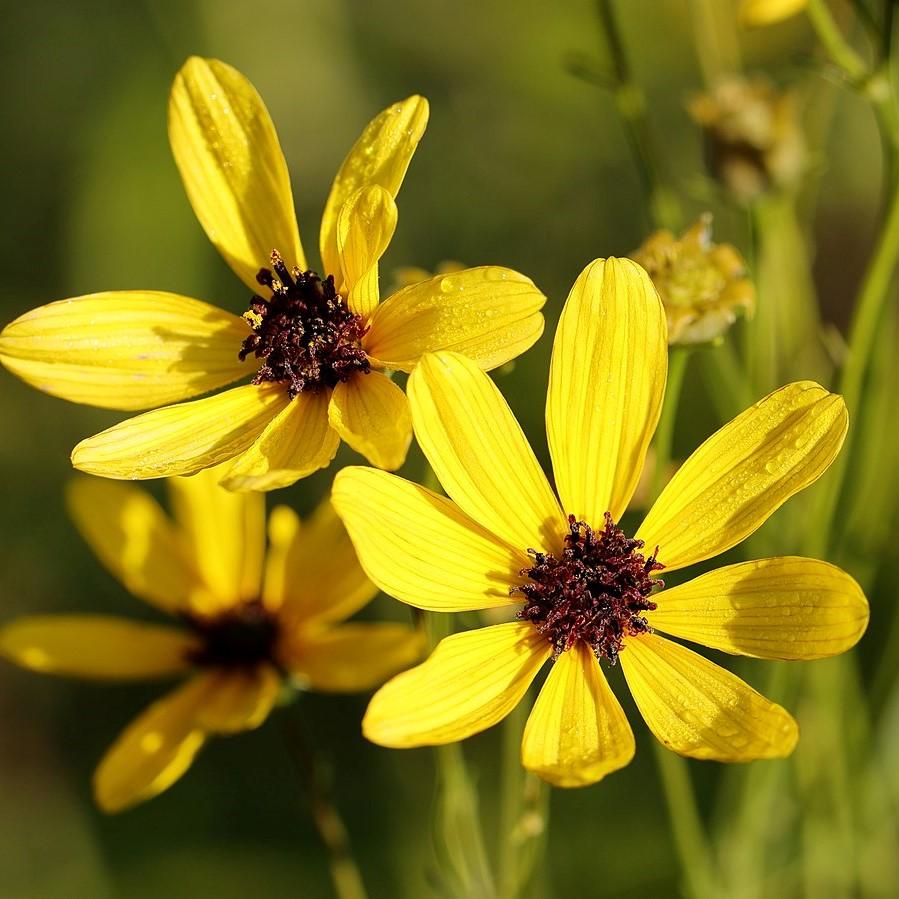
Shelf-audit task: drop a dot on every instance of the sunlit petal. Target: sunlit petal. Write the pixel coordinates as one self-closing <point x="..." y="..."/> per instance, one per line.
<point x="577" y="732"/>
<point x="471" y="681"/>
<point x="700" y="710"/>
<point x="239" y="699"/>
<point x="744" y="472"/>
<point x="233" y="169"/>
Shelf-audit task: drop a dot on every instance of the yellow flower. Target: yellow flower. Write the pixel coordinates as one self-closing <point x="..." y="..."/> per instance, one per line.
<point x="583" y="589"/>
<point x="249" y="621"/>
<point x="703" y="285"/>
<point x="321" y="344"/>
<point x="767" y="12"/>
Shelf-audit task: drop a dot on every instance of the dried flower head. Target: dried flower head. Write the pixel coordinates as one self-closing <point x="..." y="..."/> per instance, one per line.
<point x="703" y="285"/>
<point x="753" y="140"/>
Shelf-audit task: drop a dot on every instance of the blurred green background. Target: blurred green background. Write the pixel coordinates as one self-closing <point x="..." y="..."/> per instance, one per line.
<point x="523" y="165"/>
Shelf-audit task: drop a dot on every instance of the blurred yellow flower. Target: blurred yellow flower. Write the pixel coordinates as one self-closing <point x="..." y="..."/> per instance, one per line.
<point x="250" y="620"/>
<point x="585" y="592"/>
<point x="753" y="139"/>
<point x="703" y="285"/>
<point x="322" y="342"/>
<point x="767" y="12"/>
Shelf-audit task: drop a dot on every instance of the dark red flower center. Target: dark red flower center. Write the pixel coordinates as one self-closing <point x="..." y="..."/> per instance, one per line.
<point x="242" y="636"/>
<point x="596" y="590"/>
<point x="305" y="334"/>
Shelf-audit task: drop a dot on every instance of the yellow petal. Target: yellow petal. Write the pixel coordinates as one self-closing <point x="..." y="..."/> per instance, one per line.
<point x="125" y="350"/>
<point x="606" y="383"/>
<point x="471" y="681"/>
<point x="489" y="314"/>
<point x="232" y="166"/>
<point x="352" y="657"/>
<point x="97" y="647"/>
<point x="132" y="536"/>
<point x="786" y="608"/>
<point x="224" y="533"/>
<point x="480" y="454"/>
<point x="313" y="574"/>
<point x="380" y="157"/>
<point x="182" y="439"/>
<point x="154" y="750"/>
<point x="577" y="732"/>
<point x="296" y="443"/>
<point x="700" y="710"/>
<point x="744" y="472"/>
<point x="365" y="227"/>
<point x="238" y="699"/>
<point x="767" y="12"/>
<point x="372" y="415"/>
<point x="418" y="547"/>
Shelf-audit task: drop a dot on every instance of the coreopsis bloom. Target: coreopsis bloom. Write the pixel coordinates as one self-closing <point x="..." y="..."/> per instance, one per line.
<point x="753" y="139"/>
<point x="248" y="622"/>
<point x="318" y="346"/>
<point x="767" y="12"/>
<point x="703" y="285"/>
<point x="586" y="593"/>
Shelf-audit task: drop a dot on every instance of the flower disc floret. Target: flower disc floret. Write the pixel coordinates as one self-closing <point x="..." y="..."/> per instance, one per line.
<point x="596" y="590"/>
<point x="305" y="333"/>
<point x="240" y="637"/>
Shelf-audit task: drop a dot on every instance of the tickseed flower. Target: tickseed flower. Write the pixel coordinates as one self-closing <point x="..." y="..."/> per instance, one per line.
<point x="249" y="622"/>
<point x="320" y="343"/>
<point x="768" y="12"/>
<point x="586" y="593"/>
<point x="703" y="285"/>
<point x="753" y="139"/>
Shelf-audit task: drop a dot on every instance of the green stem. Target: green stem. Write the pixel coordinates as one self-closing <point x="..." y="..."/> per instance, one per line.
<point x="875" y="292"/>
<point x="689" y="835"/>
<point x="690" y="839"/>
<point x="841" y="52"/>
<point x="664" y="439"/>
<point x="332" y="832"/>
<point x="664" y="205"/>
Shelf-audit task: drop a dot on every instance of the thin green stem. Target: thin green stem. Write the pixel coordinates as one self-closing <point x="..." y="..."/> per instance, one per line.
<point x="875" y="291"/>
<point x="686" y="824"/>
<point x="664" y="205"/>
<point x="841" y="52"/>
<point x="664" y="439"/>
<point x="332" y="832"/>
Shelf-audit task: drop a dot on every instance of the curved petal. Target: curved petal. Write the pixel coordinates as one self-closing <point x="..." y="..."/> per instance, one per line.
<point x="372" y="415"/>
<point x="380" y="157"/>
<point x="313" y="574"/>
<point x="238" y="699"/>
<point x="131" y="349"/>
<point x="744" y="472"/>
<point x="182" y="439"/>
<point x="471" y="681"/>
<point x="134" y="538"/>
<point x="480" y="454"/>
<point x="786" y="608"/>
<point x="227" y="151"/>
<point x="295" y="443"/>
<point x="577" y="732"/>
<point x="365" y="227"/>
<point x="606" y="384"/>
<point x="700" y="710"/>
<point x="419" y="548"/>
<point x="97" y="647"/>
<point x="154" y="750"/>
<point x="489" y="314"/>
<point x="352" y="657"/>
<point x="224" y="534"/>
